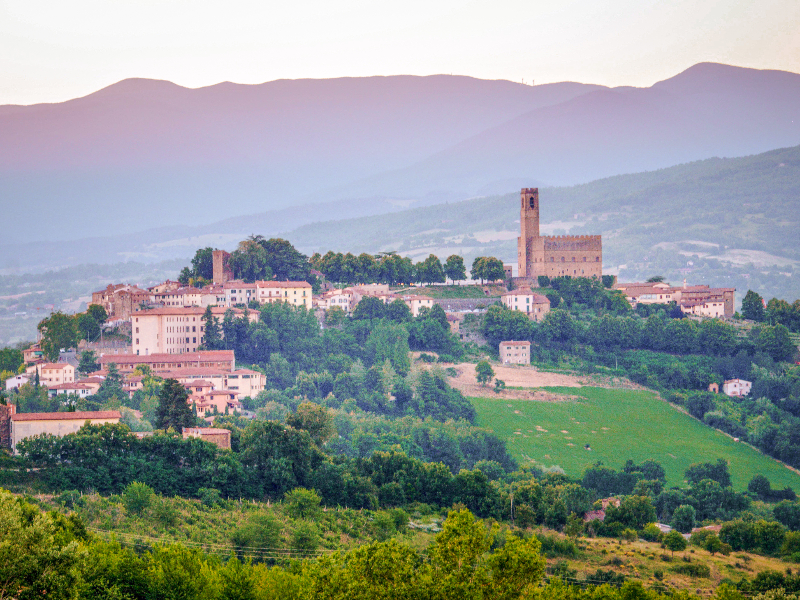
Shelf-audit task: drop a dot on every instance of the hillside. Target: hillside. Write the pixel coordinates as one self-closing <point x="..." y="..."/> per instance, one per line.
<point x="617" y="425"/>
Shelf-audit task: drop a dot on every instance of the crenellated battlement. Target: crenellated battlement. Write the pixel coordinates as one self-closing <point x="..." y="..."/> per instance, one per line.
<point x="568" y="255"/>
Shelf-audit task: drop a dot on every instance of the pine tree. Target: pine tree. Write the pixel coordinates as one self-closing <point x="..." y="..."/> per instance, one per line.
<point x="173" y="408"/>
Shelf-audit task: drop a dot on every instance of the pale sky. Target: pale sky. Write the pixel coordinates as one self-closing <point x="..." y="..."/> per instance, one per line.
<point x="53" y="50"/>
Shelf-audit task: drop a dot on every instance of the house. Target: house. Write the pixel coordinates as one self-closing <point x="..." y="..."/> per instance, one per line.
<point x="78" y="389"/>
<point x="27" y="425"/>
<point x="239" y="292"/>
<point x="33" y="354"/>
<point x="699" y="300"/>
<point x="245" y="382"/>
<point x="296" y="293"/>
<point x="346" y="299"/>
<point x="52" y="373"/>
<point x="513" y="352"/>
<point x="14" y="383"/>
<point x="183" y="296"/>
<point x="536" y="306"/>
<point x="223" y="361"/>
<point x="737" y="387"/>
<point x="215" y="402"/>
<point x="416" y="303"/>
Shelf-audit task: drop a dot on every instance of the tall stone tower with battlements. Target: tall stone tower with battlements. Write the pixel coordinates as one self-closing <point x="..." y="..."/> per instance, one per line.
<point x="554" y="256"/>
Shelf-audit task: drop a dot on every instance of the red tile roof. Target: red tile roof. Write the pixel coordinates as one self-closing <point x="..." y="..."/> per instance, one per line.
<point x="67" y="416"/>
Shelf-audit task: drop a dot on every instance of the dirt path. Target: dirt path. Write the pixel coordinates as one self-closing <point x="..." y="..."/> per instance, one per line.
<point x="519" y="376"/>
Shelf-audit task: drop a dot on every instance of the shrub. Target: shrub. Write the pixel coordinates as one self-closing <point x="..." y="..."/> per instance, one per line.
<point x="137" y="497"/>
<point x="553" y="546"/>
<point x="209" y="496"/>
<point x="692" y="570"/>
<point x="301" y="503"/>
<point x="651" y="533"/>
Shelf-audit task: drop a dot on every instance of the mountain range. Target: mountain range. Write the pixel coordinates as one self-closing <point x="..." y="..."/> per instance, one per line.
<point x="146" y="160"/>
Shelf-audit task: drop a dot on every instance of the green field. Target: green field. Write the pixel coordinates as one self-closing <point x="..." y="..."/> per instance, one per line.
<point x="618" y="425"/>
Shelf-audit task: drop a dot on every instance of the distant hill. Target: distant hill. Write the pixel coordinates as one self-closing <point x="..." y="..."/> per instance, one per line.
<point x="733" y="222"/>
<point x="142" y="153"/>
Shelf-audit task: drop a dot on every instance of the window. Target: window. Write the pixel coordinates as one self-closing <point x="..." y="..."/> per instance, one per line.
<point x="137" y="330"/>
<point x="562" y="259"/>
<point x="137" y="341"/>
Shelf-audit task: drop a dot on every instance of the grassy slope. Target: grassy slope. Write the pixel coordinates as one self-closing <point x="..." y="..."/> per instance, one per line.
<point x="641" y="559"/>
<point x="620" y="424"/>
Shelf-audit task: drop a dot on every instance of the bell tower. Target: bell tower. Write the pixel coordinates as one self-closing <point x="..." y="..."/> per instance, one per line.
<point x="530" y="245"/>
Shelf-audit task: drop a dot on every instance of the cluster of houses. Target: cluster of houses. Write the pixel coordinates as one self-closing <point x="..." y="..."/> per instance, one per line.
<point x="698" y="300"/>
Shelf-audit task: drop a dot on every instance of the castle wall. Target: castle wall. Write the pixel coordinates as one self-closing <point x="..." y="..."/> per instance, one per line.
<point x="554" y="256"/>
<point x="573" y="255"/>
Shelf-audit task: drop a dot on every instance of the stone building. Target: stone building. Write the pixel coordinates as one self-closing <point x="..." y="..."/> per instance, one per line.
<point x="554" y="256"/>
<point x="222" y="271"/>
<point x="517" y="353"/>
<point x="120" y="300"/>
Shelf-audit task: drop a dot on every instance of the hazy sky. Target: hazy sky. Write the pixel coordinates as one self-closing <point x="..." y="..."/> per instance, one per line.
<point x="52" y="50"/>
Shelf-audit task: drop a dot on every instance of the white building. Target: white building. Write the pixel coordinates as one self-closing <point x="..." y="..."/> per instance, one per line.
<point x="737" y="387"/>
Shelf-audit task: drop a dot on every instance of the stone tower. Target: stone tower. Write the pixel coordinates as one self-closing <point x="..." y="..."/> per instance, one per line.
<point x="530" y="245"/>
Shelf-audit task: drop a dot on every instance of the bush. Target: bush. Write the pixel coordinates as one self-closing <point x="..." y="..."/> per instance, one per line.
<point x="553" y="546"/>
<point x="209" y="496"/>
<point x="692" y="570"/>
<point x="651" y="533"/>
<point x="137" y="497"/>
<point x="301" y="503"/>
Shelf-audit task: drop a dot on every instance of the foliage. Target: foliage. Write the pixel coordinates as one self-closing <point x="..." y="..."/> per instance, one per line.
<point x="487" y="268"/>
<point x="484" y="372"/>
<point x="173" y="409"/>
<point x="57" y="331"/>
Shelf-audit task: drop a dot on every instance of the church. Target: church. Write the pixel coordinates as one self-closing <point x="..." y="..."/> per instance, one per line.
<point x="554" y="256"/>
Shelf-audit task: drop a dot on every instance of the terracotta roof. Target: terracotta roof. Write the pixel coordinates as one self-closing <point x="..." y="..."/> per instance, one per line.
<point x="70" y="386"/>
<point x="200" y="383"/>
<point x="245" y="372"/>
<point x="67" y="416"/>
<point x="205" y="430"/>
<point x="522" y="343"/>
<point x="54" y="365"/>
<point x="282" y="284"/>
<point x="184" y="311"/>
<point x="239" y="284"/>
<point x="135" y="359"/>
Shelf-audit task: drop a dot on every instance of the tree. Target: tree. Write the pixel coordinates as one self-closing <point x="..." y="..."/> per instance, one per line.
<point x="430" y="270"/>
<point x="39" y="557"/>
<point x="249" y="261"/>
<point x="203" y="263"/>
<point x="674" y="541"/>
<point x="88" y="362"/>
<point x="716" y="471"/>
<point x="173" y="407"/>
<point x="283" y="259"/>
<point x="314" y="419"/>
<point x="58" y="331"/>
<point x="454" y="268"/>
<point x="683" y="519"/>
<point x="487" y="268"/>
<point x="212" y="339"/>
<point x="88" y="329"/>
<point x="753" y="306"/>
<point x="484" y="372"/>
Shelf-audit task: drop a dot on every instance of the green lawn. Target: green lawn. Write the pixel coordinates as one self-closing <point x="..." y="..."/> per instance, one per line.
<point x="618" y="425"/>
<point x="454" y="291"/>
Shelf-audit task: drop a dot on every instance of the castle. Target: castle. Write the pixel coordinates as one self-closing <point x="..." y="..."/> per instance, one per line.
<point x="554" y="256"/>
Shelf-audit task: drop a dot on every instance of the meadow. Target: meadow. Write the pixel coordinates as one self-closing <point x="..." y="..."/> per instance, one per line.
<point x="610" y="425"/>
